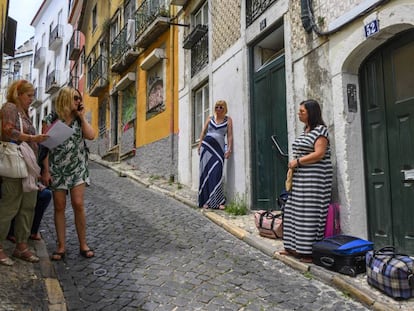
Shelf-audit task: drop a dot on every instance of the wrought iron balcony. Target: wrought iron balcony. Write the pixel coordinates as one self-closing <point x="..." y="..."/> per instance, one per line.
<point x="152" y="19"/>
<point x="199" y="54"/>
<point x="97" y="76"/>
<point x="56" y="37"/>
<point x="195" y="36"/>
<point x="255" y="8"/>
<point x="122" y="52"/>
<point x="74" y="45"/>
<point x="52" y="82"/>
<point x="39" y="58"/>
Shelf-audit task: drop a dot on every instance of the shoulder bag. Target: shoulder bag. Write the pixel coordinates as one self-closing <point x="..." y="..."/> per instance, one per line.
<point x="12" y="163"/>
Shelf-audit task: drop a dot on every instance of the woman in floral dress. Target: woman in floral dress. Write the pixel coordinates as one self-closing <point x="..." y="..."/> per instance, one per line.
<point x="67" y="171"/>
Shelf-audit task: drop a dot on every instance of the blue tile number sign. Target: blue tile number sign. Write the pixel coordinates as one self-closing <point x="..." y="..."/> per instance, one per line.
<point x="371" y="28"/>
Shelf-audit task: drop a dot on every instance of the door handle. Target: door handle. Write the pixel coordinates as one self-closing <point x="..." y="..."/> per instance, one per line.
<point x="275" y="142"/>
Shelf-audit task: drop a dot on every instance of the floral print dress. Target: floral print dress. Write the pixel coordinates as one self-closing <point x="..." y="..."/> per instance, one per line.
<point x="68" y="162"/>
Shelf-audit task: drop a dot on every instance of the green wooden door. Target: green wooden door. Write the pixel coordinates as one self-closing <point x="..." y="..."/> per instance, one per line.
<point x="387" y="94"/>
<point x="268" y="109"/>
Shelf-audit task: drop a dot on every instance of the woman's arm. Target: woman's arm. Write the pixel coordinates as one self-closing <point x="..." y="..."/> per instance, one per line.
<point x="202" y="134"/>
<point x="88" y="131"/>
<point x="229" y="137"/>
<point x="321" y="145"/>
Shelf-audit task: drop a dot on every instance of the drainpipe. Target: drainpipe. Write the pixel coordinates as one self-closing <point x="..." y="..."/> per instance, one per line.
<point x="172" y="83"/>
<point x="308" y="19"/>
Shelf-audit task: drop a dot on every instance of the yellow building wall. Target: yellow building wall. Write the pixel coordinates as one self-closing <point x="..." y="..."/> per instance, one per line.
<point x="165" y="123"/>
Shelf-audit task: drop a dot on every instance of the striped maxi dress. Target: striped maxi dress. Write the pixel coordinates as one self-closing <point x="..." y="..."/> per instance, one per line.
<point x="210" y="191"/>
<point x="307" y="206"/>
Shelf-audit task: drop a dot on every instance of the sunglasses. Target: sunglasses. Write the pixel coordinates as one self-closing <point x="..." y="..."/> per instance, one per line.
<point x="219" y="107"/>
<point x="76" y="98"/>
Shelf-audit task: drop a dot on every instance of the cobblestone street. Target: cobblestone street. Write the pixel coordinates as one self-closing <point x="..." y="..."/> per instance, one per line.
<point x="155" y="253"/>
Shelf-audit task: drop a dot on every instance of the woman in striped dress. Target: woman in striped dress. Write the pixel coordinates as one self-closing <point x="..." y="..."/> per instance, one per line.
<point x="307" y="206"/>
<point x="212" y="151"/>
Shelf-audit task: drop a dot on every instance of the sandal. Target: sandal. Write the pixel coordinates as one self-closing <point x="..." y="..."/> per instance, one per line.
<point x="6" y="261"/>
<point x="35" y="237"/>
<point x="287" y="252"/>
<point x="25" y="255"/>
<point x="11" y="238"/>
<point x="305" y="259"/>
<point x="88" y="253"/>
<point x="58" y="256"/>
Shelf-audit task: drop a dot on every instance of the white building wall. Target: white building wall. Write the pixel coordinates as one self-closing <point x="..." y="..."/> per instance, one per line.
<point x="56" y="60"/>
<point x="348" y="49"/>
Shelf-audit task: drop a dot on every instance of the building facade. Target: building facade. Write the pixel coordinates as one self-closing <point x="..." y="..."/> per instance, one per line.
<point x="19" y="66"/>
<point x="265" y="57"/>
<point x="50" y="61"/>
<point x="130" y="56"/>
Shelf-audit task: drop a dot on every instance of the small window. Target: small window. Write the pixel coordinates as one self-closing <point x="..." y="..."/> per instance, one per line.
<point x="201" y="110"/>
<point x="200" y="17"/>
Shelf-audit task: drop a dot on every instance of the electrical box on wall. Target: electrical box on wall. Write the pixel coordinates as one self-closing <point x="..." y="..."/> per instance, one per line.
<point x="352" y="97"/>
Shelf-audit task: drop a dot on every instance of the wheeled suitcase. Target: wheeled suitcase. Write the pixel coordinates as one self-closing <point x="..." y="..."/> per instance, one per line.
<point x="342" y="253"/>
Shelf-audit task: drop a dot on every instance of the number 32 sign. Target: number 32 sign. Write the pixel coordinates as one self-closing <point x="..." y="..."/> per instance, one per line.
<point x="371" y="28"/>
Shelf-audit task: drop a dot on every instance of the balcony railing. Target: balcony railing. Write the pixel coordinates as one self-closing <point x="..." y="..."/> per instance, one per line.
<point x="74" y="45"/>
<point x="97" y="76"/>
<point x="55" y="37"/>
<point x="194" y="36"/>
<point x="152" y="19"/>
<point x="122" y="52"/>
<point x="39" y="58"/>
<point x="52" y="82"/>
<point x="199" y="54"/>
<point x="255" y="8"/>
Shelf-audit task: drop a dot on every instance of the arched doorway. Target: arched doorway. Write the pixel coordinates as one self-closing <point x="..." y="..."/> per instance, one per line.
<point x="387" y="107"/>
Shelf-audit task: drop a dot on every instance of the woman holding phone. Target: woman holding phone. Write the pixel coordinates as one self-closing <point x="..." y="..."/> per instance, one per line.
<point x="67" y="169"/>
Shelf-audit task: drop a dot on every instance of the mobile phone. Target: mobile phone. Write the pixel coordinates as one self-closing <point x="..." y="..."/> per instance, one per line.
<point x="80" y="107"/>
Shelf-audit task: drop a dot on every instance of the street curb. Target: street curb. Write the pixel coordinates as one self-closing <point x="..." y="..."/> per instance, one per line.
<point x="322" y="275"/>
<point x="55" y="297"/>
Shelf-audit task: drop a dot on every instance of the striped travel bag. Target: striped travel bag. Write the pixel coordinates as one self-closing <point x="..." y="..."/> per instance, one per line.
<point x="391" y="272"/>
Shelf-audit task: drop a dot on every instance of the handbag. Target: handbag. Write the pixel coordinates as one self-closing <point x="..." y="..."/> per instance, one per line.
<point x="391" y="272"/>
<point x="12" y="163"/>
<point x="270" y="225"/>
<point x="289" y="177"/>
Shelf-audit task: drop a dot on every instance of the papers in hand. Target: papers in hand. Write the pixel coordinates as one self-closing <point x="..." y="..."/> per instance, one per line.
<point x="58" y="133"/>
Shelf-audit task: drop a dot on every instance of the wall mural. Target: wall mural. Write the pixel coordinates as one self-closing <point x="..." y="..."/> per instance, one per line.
<point x="155" y="91"/>
<point x="129" y="116"/>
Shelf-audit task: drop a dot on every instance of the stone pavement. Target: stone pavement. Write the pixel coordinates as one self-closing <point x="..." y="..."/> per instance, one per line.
<point x="35" y="287"/>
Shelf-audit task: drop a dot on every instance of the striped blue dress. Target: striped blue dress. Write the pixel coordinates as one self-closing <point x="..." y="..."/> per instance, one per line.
<point x="307" y="206"/>
<point x="210" y="190"/>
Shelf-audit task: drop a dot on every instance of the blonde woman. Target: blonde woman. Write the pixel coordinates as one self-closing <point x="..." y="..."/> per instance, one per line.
<point x="213" y="150"/>
<point x="14" y="202"/>
<point x="67" y="169"/>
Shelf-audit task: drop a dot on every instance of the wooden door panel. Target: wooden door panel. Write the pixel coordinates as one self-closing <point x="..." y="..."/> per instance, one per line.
<point x="376" y="152"/>
<point x="268" y="118"/>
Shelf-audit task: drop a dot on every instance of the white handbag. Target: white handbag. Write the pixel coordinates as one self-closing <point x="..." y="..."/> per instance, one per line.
<point x="12" y="163"/>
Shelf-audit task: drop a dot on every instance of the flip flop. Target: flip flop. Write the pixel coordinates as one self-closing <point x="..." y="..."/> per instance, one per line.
<point x="58" y="256"/>
<point x="84" y="253"/>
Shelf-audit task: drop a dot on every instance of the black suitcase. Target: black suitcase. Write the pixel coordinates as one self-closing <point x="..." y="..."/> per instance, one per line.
<point x="342" y="253"/>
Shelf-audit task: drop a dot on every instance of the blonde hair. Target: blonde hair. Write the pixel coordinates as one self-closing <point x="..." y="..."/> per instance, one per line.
<point x="64" y="100"/>
<point x="220" y="102"/>
<point x="18" y="88"/>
